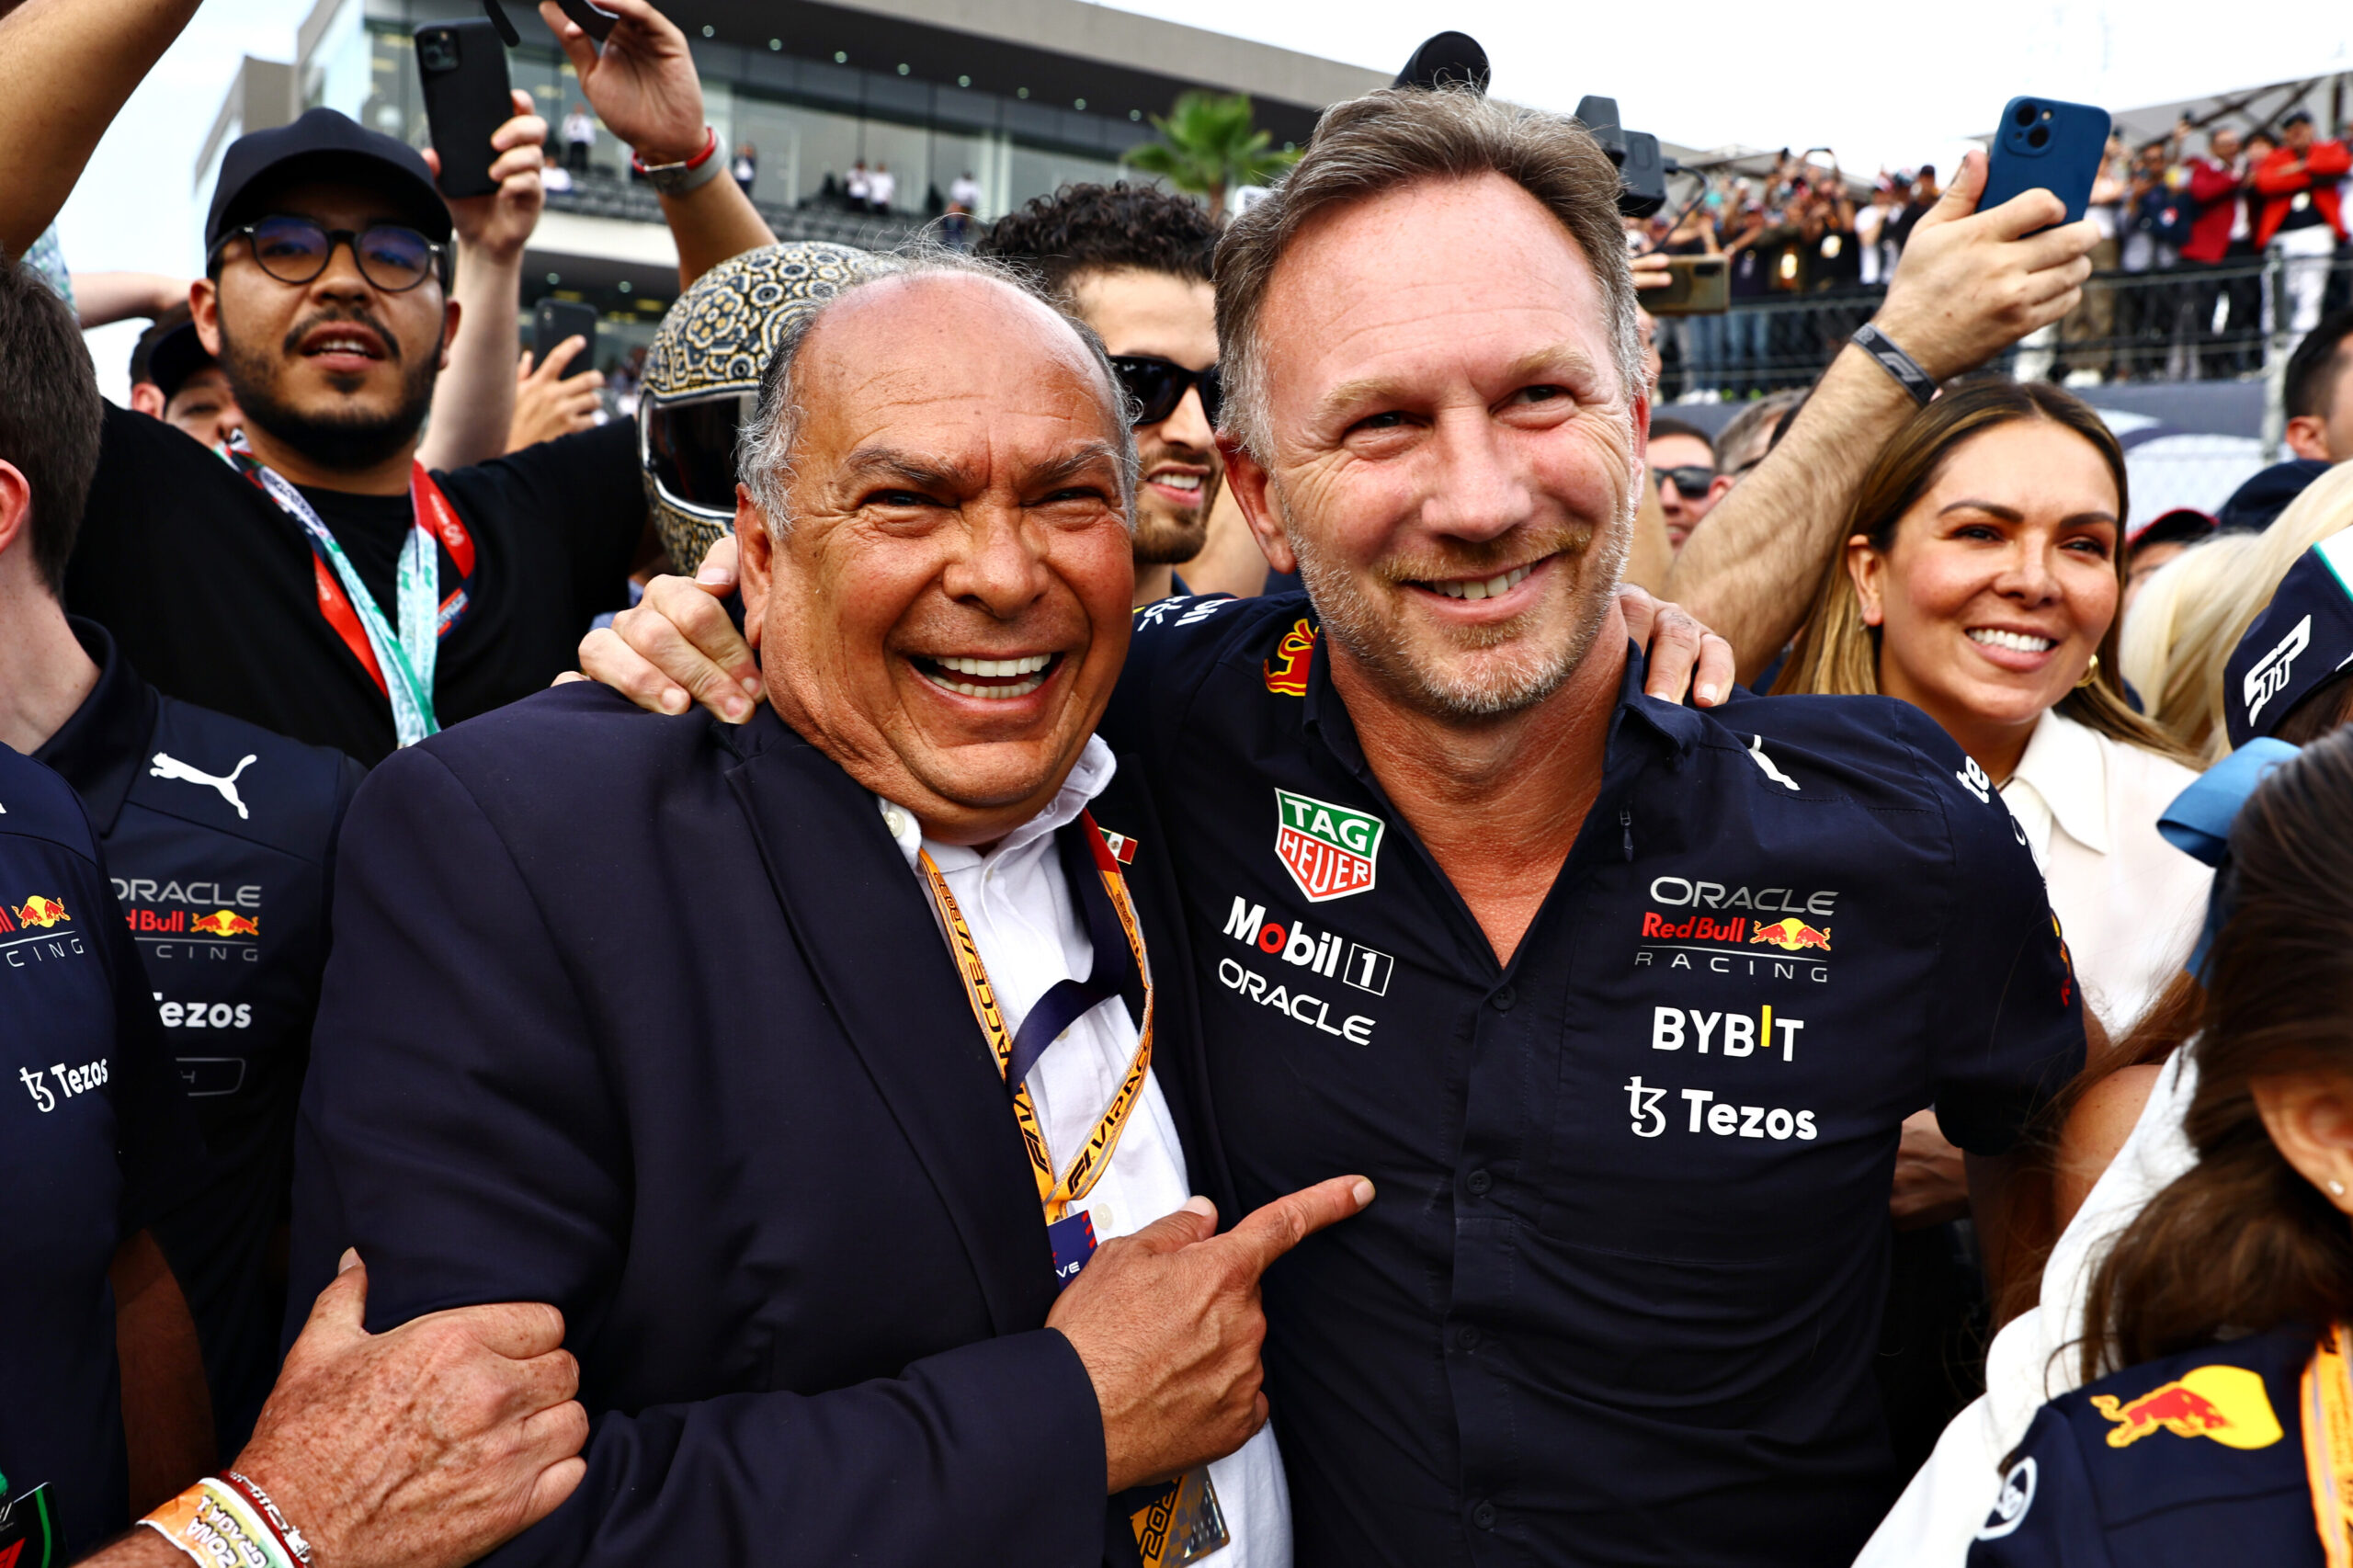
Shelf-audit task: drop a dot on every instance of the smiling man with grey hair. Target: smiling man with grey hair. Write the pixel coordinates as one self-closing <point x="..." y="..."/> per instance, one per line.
<point x="912" y="1087"/>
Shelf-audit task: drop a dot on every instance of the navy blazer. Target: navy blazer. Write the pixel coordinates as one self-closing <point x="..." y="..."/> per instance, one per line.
<point x="646" y="1017"/>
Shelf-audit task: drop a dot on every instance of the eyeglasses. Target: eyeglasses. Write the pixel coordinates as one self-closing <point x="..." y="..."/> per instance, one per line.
<point x="1159" y="385"/>
<point x="1690" y="480"/>
<point x="688" y="449"/>
<point x="392" y="256"/>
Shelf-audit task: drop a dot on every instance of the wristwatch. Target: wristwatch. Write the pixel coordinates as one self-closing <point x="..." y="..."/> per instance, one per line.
<point x="676" y="179"/>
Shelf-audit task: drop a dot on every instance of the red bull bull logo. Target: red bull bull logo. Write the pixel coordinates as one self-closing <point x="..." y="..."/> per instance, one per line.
<point x="224" y="923"/>
<point x="1287" y="671"/>
<point x="2226" y="1404"/>
<point x="1791" y="935"/>
<point x="40" y="911"/>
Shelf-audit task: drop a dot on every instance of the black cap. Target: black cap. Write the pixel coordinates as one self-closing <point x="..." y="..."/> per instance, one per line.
<point x="325" y="145"/>
<point x="2301" y="638"/>
<point x="1446" y="60"/>
<point x="2180" y="525"/>
<point x="2253" y="504"/>
<point x="168" y="353"/>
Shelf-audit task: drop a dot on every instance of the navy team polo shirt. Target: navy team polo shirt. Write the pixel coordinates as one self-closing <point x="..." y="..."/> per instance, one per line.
<point x="219" y="838"/>
<point x="94" y="1139"/>
<point x="2195" y="1460"/>
<point x="1617" y="1298"/>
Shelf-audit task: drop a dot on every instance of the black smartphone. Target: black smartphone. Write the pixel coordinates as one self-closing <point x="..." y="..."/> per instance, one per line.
<point x="2049" y="145"/>
<point x="1701" y="287"/>
<point x="553" y="320"/>
<point x="463" y="68"/>
<point x="593" y="19"/>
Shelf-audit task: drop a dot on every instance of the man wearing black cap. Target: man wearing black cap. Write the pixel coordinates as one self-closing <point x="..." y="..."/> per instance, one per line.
<point x="174" y="379"/>
<point x="328" y="586"/>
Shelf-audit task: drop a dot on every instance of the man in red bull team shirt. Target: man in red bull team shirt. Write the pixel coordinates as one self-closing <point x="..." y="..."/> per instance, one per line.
<point x="1618" y="1300"/>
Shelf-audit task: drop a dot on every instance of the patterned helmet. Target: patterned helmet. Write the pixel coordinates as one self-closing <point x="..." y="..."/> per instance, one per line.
<point x="702" y="380"/>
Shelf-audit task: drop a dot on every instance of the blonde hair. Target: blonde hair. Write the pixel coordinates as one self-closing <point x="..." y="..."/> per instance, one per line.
<point x="1838" y="654"/>
<point x="2179" y="634"/>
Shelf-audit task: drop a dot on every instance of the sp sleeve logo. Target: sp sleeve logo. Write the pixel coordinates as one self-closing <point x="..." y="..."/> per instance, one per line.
<point x="2270" y="674"/>
<point x="1330" y="851"/>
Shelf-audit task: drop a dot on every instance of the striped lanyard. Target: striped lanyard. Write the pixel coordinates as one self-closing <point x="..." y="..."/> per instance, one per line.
<point x="1016" y="1054"/>
<point x="402" y="662"/>
<point x="2326" y="1396"/>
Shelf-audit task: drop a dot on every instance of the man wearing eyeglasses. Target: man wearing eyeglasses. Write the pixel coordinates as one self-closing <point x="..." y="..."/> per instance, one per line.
<point x="323" y="583"/>
<point x="1132" y="262"/>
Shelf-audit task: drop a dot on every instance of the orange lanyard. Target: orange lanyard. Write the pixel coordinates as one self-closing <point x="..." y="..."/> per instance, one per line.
<point x="2327" y="1400"/>
<point x="1087" y="1168"/>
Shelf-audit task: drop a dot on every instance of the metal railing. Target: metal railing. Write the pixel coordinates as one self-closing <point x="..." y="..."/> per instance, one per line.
<point x="2183" y="324"/>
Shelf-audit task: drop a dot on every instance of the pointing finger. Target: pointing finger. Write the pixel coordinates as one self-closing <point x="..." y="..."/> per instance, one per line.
<point x="1269" y="1233"/>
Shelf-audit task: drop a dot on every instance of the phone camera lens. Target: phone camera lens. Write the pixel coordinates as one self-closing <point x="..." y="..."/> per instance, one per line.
<point x="2026" y="114"/>
<point x="437" y="51"/>
<point x="2039" y="136"/>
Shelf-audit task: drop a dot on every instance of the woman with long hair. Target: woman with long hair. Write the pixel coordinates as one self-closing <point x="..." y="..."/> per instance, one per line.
<point x="2229" y="1434"/>
<point x="1980" y="582"/>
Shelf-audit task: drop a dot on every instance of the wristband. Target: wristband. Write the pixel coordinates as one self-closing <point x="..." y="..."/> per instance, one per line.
<point x="217" y="1526"/>
<point x="676" y="179"/>
<point x="1895" y="362"/>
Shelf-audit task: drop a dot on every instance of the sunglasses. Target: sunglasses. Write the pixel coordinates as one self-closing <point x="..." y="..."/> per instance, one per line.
<point x="392" y="257"/>
<point x="1157" y="386"/>
<point x="1690" y="480"/>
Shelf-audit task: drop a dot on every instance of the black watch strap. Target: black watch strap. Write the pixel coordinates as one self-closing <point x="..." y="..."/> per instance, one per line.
<point x="1897" y="363"/>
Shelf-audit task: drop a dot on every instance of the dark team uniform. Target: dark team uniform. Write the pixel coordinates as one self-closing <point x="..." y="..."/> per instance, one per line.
<point x="94" y="1139"/>
<point x="219" y="838"/>
<point x="1617" y="1298"/>
<point x="2198" y="1459"/>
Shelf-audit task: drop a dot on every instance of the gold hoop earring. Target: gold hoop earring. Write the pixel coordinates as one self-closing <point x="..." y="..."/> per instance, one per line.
<point x="2091" y="674"/>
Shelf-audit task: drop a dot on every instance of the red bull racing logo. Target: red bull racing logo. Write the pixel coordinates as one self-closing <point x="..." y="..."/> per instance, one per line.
<point x="2226" y="1404"/>
<point x="224" y="923"/>
<point x="37" y="913"/>
<point x="1330" y="851"/>
<point x="1791" y="936"/>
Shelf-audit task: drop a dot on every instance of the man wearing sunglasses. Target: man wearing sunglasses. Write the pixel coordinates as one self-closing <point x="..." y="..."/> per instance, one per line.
<point x="1683" y="467"/>
<point x="324" y="583"/>
<point x="1132" y="262"/>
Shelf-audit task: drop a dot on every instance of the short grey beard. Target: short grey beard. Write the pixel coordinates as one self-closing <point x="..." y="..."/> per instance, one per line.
<point x="1349" y="620"/>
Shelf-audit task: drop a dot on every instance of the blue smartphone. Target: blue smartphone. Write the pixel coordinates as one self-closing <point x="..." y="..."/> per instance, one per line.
<point x="2045" y="144"/>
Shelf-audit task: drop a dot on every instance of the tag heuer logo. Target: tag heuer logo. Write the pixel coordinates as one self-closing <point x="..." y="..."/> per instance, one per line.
<point x="1329" y="850"/>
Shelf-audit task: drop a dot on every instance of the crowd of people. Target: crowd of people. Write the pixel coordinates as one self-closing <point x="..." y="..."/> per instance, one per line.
<point x="717" y="984"/>
<point x="2184" y="222"/>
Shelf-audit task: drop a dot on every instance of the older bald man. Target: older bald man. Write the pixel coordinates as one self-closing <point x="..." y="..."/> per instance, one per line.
<point x="806" y="1065"/>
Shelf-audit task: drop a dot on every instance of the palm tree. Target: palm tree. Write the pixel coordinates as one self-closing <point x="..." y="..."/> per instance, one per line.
<point x="1207" y="147"/>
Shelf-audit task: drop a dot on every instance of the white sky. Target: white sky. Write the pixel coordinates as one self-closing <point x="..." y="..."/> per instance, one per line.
<point x="1880" y="83"/>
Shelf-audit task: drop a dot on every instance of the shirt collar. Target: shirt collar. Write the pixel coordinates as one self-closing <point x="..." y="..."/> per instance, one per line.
<point x="98" y="750"/>
<point x="1089" y="777"/>
<point x="2067" y="770"/>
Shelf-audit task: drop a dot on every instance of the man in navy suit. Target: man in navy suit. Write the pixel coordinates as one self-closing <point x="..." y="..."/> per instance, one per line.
<point x="722" y="1038"/>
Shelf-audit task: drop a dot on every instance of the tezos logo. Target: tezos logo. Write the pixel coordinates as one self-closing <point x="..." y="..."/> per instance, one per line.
<point x="1330" y="851"/>
<point x="2269" y="677"/>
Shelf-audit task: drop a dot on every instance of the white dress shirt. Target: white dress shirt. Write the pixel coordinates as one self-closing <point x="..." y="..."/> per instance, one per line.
<point x="2130" y="903"/>
<point x="1019" y="905"/>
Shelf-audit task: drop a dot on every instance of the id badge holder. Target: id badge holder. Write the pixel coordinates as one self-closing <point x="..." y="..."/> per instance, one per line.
<point x="1180" y="1521"/>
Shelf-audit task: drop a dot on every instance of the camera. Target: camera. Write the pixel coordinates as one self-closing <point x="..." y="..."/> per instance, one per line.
<point x="437" y="50"/>
<point x="1453" y="59"/>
